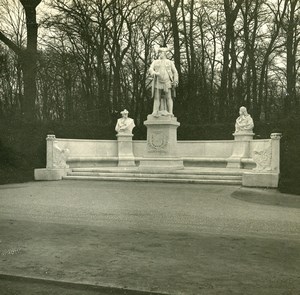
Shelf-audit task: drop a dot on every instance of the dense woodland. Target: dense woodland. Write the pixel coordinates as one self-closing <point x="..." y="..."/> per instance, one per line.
<point x="92" y="57"/>
<point x="80" y="62"/>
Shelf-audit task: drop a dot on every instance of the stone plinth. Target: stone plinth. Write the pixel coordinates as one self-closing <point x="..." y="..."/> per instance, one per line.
<point x="50" y="174"/>
<point x="56" y="167"/>
<point x="125" y="153"/>
<point x="243" y="136"/>
<point x="241" y="149"/>
<point x="266" y="172"/>
<point x="161" y="149"/>
<point x="260" y="179"/>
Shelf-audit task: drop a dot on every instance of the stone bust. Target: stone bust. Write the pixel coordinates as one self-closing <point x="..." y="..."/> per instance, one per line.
<point x="125" y="124"/>
<point x="244" y="123"/>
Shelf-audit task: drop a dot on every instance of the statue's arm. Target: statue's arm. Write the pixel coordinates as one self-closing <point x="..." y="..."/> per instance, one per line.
<point x="131" y="125"/>
<point x="117" y="128"/>
<point x="152" y="71"/>
<point x="251" y="124"/>
<point x="244" y="124"/>
<point x="175" y="73"/>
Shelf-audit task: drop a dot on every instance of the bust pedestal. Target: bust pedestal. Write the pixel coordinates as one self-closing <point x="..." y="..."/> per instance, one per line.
<point x="241" y="149"/>
<point x="125" y="153"/>
<point x="161" y="149"/>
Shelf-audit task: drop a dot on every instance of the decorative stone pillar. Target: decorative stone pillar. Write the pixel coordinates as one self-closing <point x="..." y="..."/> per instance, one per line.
<point x="266" y="173"/>
<point x="241" y="149"/>
<point x="125" y="150"/>
<point x="161" y="149"/>
<point x="56" y="166"/>
<point x="275" y="158"/>
<point x="50" y="141"/>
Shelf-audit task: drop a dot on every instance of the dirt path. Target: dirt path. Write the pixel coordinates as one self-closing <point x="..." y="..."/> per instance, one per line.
<point x="172" y="239"/>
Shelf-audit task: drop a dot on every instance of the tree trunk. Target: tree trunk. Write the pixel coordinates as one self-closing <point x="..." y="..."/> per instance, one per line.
<point x="290" y="59"/>
<point x="174" y="22"/>
<point x="29" y="59"/>
<point x="231" y="15"/>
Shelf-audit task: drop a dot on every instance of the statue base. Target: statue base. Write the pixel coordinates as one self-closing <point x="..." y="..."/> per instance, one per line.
<point x="261" y="179"/>
<point x="241" y="149"/>
<point x="161" y="149"/>
<point x="125" y="152"/>
<point x="243" y="136"/>
<point x="50" y="174"/>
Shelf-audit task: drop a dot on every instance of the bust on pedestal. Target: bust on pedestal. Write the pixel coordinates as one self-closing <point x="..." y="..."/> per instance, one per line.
<point x="243" y="135"/>
<point x="124" y="128"/>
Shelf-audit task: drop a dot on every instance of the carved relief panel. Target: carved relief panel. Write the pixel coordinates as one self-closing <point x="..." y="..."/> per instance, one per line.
<point x="158" y="142"/>
<point x="262" y="156"/>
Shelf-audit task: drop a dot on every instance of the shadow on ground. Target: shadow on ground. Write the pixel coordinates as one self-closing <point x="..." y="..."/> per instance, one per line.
<point x="267" y="197"/>
<point x="10" y="285"/>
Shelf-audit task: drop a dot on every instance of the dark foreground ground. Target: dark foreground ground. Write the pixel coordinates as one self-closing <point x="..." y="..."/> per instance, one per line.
<point x="75" y="237"/>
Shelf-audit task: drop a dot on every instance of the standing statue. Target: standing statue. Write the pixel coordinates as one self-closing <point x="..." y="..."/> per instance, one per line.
<point x="244" y="122"/>
<point x="165" y="80"/>
<point x="125" y="125"/>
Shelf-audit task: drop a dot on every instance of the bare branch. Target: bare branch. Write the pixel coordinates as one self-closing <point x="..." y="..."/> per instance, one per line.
<point x="17" y="50"/>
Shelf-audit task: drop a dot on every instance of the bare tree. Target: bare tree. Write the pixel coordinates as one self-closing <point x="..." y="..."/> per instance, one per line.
<point x="28" y="57"/>
<point x="173" y="10"/>
<point x="229" y="52"/>
<point x="291" y="28"/>
<point x="231" y="9"/>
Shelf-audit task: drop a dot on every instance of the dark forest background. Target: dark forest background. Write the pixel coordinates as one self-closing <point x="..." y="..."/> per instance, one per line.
<point x="70" y="67"/>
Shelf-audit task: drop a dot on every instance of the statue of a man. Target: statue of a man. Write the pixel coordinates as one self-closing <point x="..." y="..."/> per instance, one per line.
<point x="165" y="79"/>
<point x="244" y="122"/>
<point x="125" y="125"/>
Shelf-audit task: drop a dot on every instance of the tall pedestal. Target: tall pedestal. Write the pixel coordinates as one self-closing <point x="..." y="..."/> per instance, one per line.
<point x="241" y="149"/>
<point x="161" y="150"/>
<point x="125" y="153"/>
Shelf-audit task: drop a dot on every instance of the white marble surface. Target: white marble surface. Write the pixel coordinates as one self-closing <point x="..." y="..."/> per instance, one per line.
<point x="210" y="153"/>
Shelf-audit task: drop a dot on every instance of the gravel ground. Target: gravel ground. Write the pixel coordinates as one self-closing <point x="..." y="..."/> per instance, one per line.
<point x="169" y="238"/>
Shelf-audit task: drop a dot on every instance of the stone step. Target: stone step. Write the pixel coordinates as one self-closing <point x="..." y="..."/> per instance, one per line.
<point x="158" y="175"/>
<point x="153" y="179"/>
<point x="186" y="171"/>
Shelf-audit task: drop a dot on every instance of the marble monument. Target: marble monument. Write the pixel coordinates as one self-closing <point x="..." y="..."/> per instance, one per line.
<point x="161" y="148"/>
<point x="124" y="129"/>
<point x="164" y="83"/>
<point x="242" y="136"/>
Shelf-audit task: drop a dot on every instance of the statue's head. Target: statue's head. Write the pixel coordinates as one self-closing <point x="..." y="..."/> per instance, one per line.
<point x="162" y="51"/>
<point x="243" y="111"/>
<point x="124" y="113"/>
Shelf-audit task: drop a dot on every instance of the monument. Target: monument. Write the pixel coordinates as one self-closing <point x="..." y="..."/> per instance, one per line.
<point x="253" y="163"/>
<point x="244" y="124"/>
<point x="124" y="128"/>
<point x="161" y="148"/>
<point x="164" y="83"/>
<point x="243" y="135"/>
